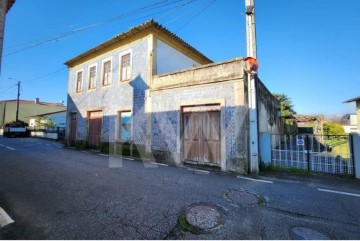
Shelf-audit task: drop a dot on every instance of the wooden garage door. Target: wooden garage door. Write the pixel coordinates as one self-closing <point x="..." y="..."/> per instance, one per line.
<point x="95" y="127"/>
<point x="202" y="135"/>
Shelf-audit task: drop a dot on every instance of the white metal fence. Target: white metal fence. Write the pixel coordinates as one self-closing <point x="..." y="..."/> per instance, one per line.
<point x="326" y="154"/>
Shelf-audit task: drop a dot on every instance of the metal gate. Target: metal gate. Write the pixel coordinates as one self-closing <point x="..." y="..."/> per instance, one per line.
<point x="324" y="154"/>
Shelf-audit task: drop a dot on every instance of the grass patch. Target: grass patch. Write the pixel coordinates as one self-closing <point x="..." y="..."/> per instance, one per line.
<point x="185" y="225"/>
<point x="262" y="201"/>
<point x="269" y="168"/>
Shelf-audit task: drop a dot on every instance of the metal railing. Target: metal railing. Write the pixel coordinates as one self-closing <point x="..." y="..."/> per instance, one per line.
<point x="325" y="154"/>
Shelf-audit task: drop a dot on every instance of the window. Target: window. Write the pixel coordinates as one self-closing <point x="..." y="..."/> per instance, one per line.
<point x="92" y="77"/>
<point x="79" y="80"/>
<point x="125" y="120"/>
<point x="125" y="67"/>
<point x="73" y="116"/>
<point x="106" y="78"/>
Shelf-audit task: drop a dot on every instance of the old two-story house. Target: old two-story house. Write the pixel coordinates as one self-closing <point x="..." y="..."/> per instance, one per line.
<point x="148" y="87"/>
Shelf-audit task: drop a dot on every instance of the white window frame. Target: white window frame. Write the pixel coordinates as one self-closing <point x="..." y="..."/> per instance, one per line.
<point x="120" y="65"/>
<point x="96" y="74"/>
<point x="76" y="81"/>
<point x="119" y="125"/>
<point x="102" y="71"/>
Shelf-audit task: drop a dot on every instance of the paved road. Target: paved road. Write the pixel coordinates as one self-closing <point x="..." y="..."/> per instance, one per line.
<point x="55" y="193"/>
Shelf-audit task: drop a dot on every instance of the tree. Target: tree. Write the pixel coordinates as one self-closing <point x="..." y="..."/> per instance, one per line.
<point x="286" y="105"/>
<point x="287" y="111"/>
<point x="333" y="129"/>
<point x="40" y="121"/>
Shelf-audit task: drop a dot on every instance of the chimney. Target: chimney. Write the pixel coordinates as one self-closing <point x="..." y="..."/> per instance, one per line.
<point x="37" y="100"/>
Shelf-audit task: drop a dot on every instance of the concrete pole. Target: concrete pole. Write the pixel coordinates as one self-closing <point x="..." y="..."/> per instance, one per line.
<point x="253" y="115"/>
<point x="250" y="29"/>
<point x="17" y="102"/>
<point x="358" y="114"/>
<point x="356" y="152"/>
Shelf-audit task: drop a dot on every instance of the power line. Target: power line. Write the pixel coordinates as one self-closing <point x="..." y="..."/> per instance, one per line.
<point x="177" y="8"/>
<point x="45" y="76"/>
<point x="199" y="13"/>
<point x="8" y="89"/>
<point x="171" y="11"/>
<point x="157" y="5"/>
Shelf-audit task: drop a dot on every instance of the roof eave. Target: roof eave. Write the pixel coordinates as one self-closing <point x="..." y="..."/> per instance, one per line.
<point x="10" y="3"/>
<point x="131" y="32"/>
<point x="352" y="100"/>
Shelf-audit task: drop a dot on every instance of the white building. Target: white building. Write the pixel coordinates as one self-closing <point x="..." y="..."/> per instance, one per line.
<point x="58" y="117"/>
<point x="351" y="123"/>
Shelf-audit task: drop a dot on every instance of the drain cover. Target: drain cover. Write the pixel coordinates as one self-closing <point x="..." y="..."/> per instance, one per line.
<point x="243" y="197"/>
<point x="204" y="217"/>
<point x="301" y="233"/>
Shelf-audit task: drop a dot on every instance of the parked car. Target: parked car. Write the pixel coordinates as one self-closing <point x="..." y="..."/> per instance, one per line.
<point x="15" y="129"/>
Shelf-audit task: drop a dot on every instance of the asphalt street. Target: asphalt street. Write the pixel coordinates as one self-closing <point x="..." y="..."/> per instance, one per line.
<point x="51" y="192"/>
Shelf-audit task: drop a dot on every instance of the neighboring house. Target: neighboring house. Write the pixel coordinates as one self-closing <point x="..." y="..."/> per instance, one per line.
<point x="310" y="124"/>
<point x="27" y="108"/>
<point x="149" y="87"/>
<point x="357" y="101"/>
<point x="57" y="117"/>
<point x="5" y="6"/>
<point x="350" y="123"/>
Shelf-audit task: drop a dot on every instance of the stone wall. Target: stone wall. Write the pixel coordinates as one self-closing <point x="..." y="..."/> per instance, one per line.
<point x="268" y="111"/>
<point x="219" y="83"/>
<point x="205" y="74"/>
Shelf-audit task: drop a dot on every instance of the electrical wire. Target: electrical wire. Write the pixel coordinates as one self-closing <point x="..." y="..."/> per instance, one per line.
<point x="177" y="8"/>
<point x="8" y="89"/>
<point x="115" y="68"/>
<point x="199" y="13"/>
<point x="66" y="34"/>
<point x="45" y="76"/>
<point x="89" y="26"/>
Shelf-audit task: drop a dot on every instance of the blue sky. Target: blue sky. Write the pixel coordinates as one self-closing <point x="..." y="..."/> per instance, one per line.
<point x="307" y="49"/>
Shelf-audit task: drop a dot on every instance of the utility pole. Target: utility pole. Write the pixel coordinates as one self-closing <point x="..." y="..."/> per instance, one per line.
<point x="17" y="103"/>
<point x="18" y="99"/>
<point x="250" y="28"/>
<point x="253" y="115"/>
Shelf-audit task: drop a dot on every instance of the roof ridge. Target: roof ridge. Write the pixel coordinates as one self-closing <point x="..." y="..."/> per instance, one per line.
<point x="31" y="101"/>
<point x="134" y="30"/>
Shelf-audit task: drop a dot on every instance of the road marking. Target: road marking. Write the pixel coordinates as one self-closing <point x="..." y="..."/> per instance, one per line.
<point x="103" y="155"/>
<point x="1" y="145"/>
<point x="253" y="179"/>
<point x="201" y="172"/>
<point x="339" y="192"/>
<point x="161" y="164"/>
<point x="8" y="147"/>
<point x="4" y="218"/>
<point x="197" y="171"/>
<point x="129" y="159"/>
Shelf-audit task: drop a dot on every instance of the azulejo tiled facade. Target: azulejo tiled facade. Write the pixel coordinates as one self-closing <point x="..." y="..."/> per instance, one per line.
<point x="183" y="107"/>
